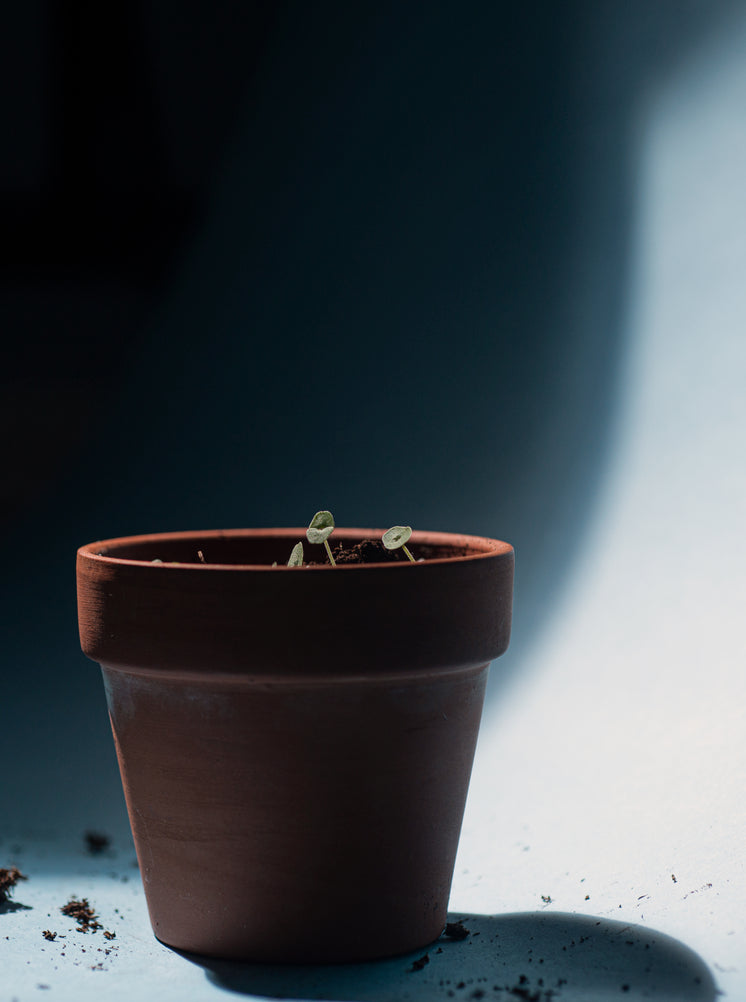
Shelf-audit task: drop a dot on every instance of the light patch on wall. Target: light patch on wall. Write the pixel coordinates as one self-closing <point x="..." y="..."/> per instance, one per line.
<point x="620" y="758"/>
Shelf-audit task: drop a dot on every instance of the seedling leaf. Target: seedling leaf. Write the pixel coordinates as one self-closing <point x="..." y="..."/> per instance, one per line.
<point x="321" y="527"/>
<point x="398" y="536"/>
<point x="296" y="556"/>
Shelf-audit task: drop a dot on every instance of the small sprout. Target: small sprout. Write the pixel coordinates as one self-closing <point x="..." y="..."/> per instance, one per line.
<point x="398" y="536"/>
<point x="319" y="531"/>
<point x="201" y="556"/>
<point x="296" y="556"/>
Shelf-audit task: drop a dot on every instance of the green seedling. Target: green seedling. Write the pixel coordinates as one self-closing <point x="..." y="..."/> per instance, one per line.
<point x="319" y="531"/>
<point x="322" y="526"/>
<point x="397" y="537"/>
<point x="296" y="556"/>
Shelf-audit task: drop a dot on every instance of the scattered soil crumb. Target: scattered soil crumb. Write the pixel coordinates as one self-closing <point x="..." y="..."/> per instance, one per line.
<point x="83" y="914"/>
<point x="673" y="877"/>
<point x="455" y="930"/>
<point x="96" y="842"/>
<point x="8" y="880"/>
<point x="109" y="935"/>
<point x="527" y="994"/>
<point x="525" y="991"/>
<point x="547" y="899"/>
<point x="51" y="936"/>
<point x="420" y="963"/>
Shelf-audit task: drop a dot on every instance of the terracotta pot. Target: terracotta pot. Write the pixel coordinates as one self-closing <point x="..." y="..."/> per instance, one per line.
<point x="295" y="744"/>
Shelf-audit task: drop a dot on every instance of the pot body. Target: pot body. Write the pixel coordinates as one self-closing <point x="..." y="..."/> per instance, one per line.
<point x="313" y="821"/>
<point x="298" y="798"/>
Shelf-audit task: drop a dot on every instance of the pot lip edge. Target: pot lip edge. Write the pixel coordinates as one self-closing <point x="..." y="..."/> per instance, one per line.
<point x="481" y="547"/>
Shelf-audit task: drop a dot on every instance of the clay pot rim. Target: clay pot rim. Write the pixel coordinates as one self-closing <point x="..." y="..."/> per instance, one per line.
<point x="477" y="547"/>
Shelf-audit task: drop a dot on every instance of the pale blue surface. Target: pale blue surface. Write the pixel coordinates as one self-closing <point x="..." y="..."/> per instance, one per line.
<point x="578" y="956"/>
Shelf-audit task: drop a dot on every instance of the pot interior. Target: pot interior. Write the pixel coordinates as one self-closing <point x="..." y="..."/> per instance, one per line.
<point x="249" y="548"/>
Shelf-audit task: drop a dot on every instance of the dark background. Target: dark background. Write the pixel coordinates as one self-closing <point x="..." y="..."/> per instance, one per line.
<point x="260" y="259"/>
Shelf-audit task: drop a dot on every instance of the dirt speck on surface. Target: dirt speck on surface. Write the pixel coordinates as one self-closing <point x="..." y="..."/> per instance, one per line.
<point x="523" y="990"/>
<point x="455" y="930"/>
<point x="83" y="914"/>
<point x="48" y="934"/>
<point x="421" y="962"/>
<point x="8" y="879"/>
<point x="96" y="842"/>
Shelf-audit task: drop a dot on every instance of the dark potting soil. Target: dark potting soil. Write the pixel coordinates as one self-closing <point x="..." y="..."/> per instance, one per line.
<point x="372" y="551"/>
<point x="367" y="551"/>
<point x="8" y="879"/>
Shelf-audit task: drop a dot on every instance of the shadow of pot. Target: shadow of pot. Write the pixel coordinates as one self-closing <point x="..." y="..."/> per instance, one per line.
<point x="295" y="744"/>
<point x="534" y="956"/>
